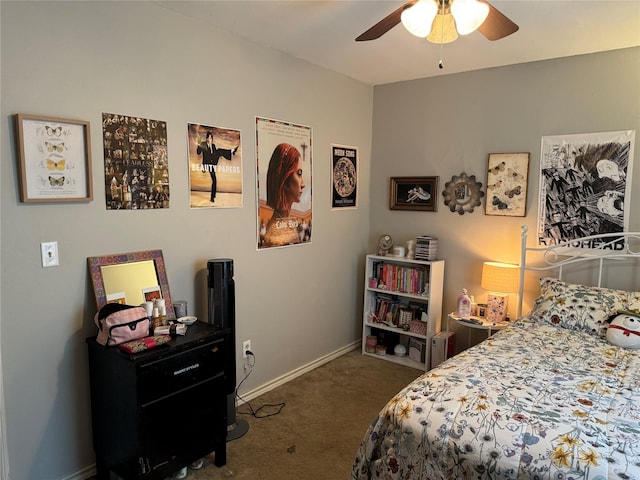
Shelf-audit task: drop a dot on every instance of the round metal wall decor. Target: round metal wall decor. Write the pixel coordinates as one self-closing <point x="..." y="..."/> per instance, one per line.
<point x="462" y="193"/>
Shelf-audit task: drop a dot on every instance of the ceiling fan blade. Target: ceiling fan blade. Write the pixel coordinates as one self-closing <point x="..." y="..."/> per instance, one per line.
<point x="384" y="25"/>
<point x="497" y="25"/>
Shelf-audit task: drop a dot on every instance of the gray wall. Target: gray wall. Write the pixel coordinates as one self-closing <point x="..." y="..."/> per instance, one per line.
<point x="296" y="304"/>
<point x="447" y="125"/>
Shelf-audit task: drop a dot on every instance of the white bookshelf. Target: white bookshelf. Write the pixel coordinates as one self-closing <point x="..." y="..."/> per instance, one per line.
<point x="414" y="284"/>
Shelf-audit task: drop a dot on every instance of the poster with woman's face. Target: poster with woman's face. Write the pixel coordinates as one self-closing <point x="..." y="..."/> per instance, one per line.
<point x="284" y="159"/>
<point x="585" y="185"/>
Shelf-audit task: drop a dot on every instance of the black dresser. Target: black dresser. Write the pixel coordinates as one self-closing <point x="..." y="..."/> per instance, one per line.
<point x="157" y="411"/>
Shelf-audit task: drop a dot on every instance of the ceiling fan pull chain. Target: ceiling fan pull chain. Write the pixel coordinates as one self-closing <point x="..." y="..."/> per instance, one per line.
<point x="441" y="62"/>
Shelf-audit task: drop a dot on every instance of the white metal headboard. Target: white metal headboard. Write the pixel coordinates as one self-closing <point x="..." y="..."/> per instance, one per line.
<point x="595" y="248"/>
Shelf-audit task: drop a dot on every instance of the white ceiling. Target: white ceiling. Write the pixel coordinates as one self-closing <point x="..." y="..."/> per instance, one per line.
<point x="324" y="32"/>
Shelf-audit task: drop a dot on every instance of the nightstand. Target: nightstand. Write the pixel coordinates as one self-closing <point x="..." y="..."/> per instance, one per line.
<point x="479" y="323"/>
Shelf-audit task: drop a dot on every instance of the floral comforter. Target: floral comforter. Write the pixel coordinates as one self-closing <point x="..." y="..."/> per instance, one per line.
<point x="534" y="401"/>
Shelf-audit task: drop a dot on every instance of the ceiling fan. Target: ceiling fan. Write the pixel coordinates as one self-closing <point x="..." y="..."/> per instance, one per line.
<point x="440" y="21"/>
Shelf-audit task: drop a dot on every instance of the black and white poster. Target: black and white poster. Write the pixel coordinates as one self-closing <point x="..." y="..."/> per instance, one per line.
<point x="585" y="185"/>
<point x="344" y="177"/>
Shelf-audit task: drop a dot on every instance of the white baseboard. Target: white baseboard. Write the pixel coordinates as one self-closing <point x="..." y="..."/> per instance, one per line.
<point x="287" y="377"/>
<point x="83" y="474"/>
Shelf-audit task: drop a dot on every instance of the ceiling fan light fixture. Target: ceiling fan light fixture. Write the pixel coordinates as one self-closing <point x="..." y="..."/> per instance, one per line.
<point x="444" y="29"/>
<point x="469" y="15"/>
<point x="417" y="19"/>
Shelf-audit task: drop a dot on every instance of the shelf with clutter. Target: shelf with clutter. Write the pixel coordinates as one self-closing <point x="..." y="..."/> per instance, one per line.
<point x="402" y="302"/>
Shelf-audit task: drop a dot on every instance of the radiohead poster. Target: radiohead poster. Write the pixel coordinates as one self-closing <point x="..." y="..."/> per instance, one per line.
<point x="215" y="166"/>
<point x="585" y="185"/>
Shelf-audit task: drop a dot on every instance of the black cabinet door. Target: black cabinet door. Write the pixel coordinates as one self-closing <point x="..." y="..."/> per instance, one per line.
<point x="181" y="428"/>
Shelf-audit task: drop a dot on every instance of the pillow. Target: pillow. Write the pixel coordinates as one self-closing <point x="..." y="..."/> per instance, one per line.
<point x="633" y="301"/>
<point x="578" y="307"/>
<point x="624" y="330"/>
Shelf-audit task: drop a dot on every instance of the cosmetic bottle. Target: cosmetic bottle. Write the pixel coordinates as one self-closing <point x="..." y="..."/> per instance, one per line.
<point x="464" y="304"/>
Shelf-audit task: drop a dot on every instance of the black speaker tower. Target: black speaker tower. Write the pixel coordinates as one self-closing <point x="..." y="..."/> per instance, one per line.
<point x="222" y="313"/>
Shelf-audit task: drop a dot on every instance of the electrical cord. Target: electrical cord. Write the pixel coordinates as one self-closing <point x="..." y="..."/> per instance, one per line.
<point x="256" y="412"/>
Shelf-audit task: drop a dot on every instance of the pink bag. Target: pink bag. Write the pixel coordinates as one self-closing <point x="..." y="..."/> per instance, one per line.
<point x="119" y="323"/>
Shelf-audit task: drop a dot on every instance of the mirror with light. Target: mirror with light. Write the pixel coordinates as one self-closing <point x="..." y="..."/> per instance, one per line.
<point x="130" y="278"/>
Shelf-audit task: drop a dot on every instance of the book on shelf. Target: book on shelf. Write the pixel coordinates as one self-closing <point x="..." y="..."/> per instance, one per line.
<point x="401" y="278"/>
<point x="387" y="310"/>
<point x="394" y="312"/>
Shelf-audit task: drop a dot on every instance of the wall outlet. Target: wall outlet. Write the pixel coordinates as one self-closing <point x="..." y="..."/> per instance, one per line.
<point x="246" y="345"/>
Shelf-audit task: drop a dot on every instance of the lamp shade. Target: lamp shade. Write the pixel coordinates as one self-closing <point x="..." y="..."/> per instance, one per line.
<point x="419" y="17"/>
<point x="500" y="277"/>
<point x="441" y="21"/>
<point x="469" y="15"/>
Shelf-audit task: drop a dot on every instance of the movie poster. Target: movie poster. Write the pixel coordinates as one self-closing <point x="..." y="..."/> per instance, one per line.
<point x="344" y="177"/>
<point x="215" y="166"/>
<point x="585" y="185"/>
<point x="136" y="165"/>
<point x="284" y="159"/>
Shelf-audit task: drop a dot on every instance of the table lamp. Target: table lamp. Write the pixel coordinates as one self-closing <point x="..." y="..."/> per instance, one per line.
<point x="500" y="279"/>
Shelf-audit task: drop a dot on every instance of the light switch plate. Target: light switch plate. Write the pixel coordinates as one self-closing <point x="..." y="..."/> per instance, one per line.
<point x="49" y="253"/>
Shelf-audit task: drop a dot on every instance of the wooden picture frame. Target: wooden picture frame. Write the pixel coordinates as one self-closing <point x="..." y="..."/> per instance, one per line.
<point x="54" y="159"/>
<point x="413" y="193"/>
<point x="507" y="178"/>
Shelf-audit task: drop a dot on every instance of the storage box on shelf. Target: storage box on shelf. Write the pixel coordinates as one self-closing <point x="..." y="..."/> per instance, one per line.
<point x="402" y="305"/>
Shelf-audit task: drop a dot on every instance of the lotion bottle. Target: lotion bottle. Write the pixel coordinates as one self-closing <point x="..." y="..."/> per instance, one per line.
<point x="464" y="304"/>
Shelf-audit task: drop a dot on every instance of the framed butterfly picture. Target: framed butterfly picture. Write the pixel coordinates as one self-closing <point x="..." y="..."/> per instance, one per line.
<point x="507" y="177"/>
<point x="54" y="159"/>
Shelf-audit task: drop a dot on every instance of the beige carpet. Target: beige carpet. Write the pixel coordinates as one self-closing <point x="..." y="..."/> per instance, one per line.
<point x="317" y="433"/>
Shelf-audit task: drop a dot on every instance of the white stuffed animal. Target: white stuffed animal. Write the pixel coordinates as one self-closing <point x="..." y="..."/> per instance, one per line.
<point x="624" y="330"/>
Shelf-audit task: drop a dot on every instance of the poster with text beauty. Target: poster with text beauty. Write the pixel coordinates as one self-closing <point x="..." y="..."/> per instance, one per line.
<point x="283" y="164"/>
<point x="215" y="166"/>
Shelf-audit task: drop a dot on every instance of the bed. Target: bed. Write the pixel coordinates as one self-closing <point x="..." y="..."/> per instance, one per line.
<point x="548" y="397"/>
